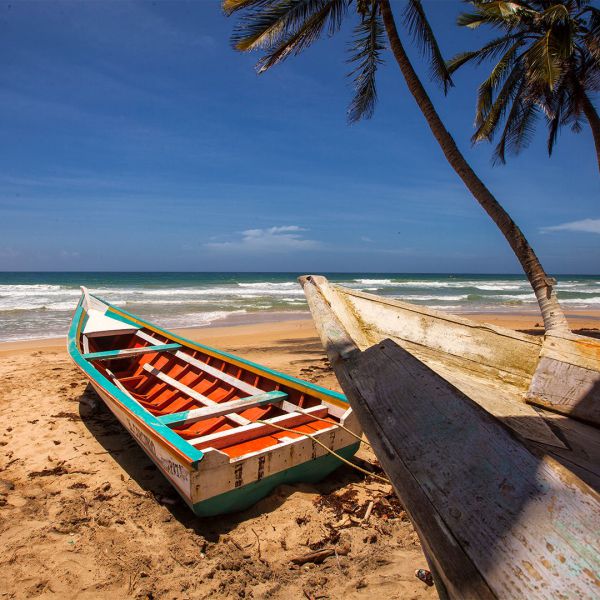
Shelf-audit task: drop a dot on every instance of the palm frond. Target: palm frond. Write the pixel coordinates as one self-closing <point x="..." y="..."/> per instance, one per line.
<point x="543" y="60"/>
<point x="268" y="25"/>
<point x="492" y="119"/>
<point x="552" y="62"/>
<point x="231" y="6"/>
<point x="369" y="42"/>
<point x="591" y="39"/>
<point x="497" y="76"/>
<point x="491" y="50"/>
<point x="553" y="128"/>
<point x="556" y="14"/>
<point x="497" y="14"/>
<point x="296" y="39"/>
<point x="518" y="130"/>
<point x="420" y="29"/>
<point x="471" y="20"/>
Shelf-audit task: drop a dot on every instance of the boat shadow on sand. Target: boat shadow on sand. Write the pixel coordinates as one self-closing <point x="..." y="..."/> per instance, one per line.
<point x="124" y="450"/>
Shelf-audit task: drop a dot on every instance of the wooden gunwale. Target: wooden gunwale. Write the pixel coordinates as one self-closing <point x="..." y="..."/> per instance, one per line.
<point x="430" y="312"/>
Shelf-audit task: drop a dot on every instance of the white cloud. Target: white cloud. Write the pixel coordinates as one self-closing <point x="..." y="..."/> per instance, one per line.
<point x="9" y="253"/>
<point x="282" y="238"/>
<point x="585" y="225"/>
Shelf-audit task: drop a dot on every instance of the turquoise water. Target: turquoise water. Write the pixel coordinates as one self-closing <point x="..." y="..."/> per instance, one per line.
<point x="35" y="305"/>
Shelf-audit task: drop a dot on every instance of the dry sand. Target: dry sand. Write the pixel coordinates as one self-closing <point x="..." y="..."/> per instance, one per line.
<point x="85" y="514"/>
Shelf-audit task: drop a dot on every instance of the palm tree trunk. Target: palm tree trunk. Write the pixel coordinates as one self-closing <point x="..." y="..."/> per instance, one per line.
<point x="543" y="286"/>
<point x="592" y="116"/>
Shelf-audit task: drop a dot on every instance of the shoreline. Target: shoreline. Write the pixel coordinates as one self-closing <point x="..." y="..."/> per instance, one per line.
<point x="522" y="320"/>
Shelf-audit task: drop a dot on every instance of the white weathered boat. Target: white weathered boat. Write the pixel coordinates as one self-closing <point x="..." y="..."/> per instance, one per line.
<point x="503" y="494"/>
<point x="210" y="421"/>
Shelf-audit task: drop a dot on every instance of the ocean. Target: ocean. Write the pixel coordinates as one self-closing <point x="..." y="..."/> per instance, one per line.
<point x="39" y="305"/>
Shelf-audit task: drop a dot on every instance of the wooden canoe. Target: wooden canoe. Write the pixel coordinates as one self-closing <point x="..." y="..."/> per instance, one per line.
<point x="194" y="410"/>
<point x="504" y="495"/>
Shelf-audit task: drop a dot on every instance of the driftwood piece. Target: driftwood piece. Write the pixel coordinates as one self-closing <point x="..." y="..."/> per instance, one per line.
<point x="497" y="520"/>
<point x="314" y="557"/>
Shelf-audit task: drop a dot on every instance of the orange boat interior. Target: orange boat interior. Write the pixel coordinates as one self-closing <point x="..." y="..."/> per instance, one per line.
<point x="154" y="379"/>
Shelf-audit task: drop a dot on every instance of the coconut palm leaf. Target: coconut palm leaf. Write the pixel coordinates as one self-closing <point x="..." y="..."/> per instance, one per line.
<point x="556" y="46"/>
<point x="518" y="129"/>
<point x="490" y="51"/>
<point x="367" y="46"/>
<point x="485" y="95"/>
<point x="507" y="93"/>
<point x="419" y="27"/>
<point x="295" y="40"/>
<point x="274" y="23"/>
<point x="231" y="6"/>
<point x="544" y="61"/>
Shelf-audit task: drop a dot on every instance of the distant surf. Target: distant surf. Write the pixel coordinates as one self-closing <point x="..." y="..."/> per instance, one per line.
<point x="37" y="305"/>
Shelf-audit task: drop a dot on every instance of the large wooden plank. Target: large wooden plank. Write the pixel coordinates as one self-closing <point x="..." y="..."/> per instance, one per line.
<point x="188" y="417"/>
<point x="497" y="520"/>
<point x="582" y="446"/>
<point x="499" y="398"/>
<point x="190" y="392"/>
<point x="511" y="353"/>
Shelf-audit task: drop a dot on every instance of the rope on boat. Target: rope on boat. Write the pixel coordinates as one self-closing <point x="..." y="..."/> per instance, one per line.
<point x="338" y="456"/>
<point x="358" y="437"/>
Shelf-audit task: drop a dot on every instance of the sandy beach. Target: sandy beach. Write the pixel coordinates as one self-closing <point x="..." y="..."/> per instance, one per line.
<point x="85" y="514"/>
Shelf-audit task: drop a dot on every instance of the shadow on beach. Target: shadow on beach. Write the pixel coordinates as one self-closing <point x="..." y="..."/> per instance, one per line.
<point x="121" y="447"/>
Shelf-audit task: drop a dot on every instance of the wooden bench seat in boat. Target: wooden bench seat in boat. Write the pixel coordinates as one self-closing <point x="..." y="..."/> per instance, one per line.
<point x="188" y="391"/>
<point x="206" y="368"/>
<point x="221" y="409"/>
<point x="126" y="352"/>
<point x="251" y="431"/>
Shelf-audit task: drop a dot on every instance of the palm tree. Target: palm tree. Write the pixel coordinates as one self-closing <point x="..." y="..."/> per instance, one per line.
<point x="281" y="28"/>
<point x="548" y="62"/>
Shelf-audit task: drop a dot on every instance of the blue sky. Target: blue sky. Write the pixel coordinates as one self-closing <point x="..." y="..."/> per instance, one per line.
<point x="135" y="138"/>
